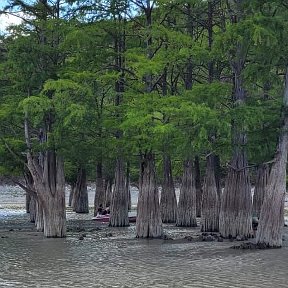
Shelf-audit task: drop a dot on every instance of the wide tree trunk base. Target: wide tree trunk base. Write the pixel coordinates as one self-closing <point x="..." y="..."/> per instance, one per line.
<point x="119" y="205"/>
<point x="39" y="222"/>
<point x="54" y="219"/>
<point x="210" y="199"/>
<point x="168" y="201"/>
<point x="119" y="221"/>
<point x="186" y="212"/>
<point x="260" y="189"/>
<point x="232" y="225"/>
<point x="210" y="220"/>
<point x="148" y="223"/>
<point x="270" y="228"/>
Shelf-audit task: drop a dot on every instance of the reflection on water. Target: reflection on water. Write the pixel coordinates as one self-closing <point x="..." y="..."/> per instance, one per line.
<point x="27" y="259"/>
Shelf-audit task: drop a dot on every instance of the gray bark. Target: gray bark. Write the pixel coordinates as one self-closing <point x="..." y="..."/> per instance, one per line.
<point x="81" y="204"/>
<point x="119" y="204"/>
<point x="49" y="184"/>
<point x="168" y="202"/>
<point x="128" y="186"/>
<point x="198" y="187"/>
<point x="148" y="223"/>
<point x="210" y="201"/>
<point x="39" y="220"/>
<point x="235" y="217"/>
<point x="31" y="196"/>
<point x="27" y="202"/>
<point x="32" y="209"/>
<point x="270" y="228"/>
<point x="108" y="192"/>
<point x="71" y="195"/>
<point x="100" y="189"/>
<point x="186" y="212"/>
<point x="260" y="188"/>
<point x="218" y="176"/>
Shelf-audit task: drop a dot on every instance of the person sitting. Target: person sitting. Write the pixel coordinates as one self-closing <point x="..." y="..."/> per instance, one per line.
<point x="106" y="211"/>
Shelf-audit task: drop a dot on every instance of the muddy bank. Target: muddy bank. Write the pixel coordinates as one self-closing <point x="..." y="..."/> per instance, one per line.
<point x="17" y="223"/>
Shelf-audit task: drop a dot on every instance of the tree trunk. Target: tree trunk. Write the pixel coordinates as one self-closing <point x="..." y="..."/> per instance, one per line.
<point x="30" y="187"/>
<point x="210" y="201"/>
<point x="235" y="217"/>
<point x="198" y="187"/>
<point x="188" y="76"/>
<point x="218" y="177"/>
<point x="27" y="202"/>
<point x="71" y="195"/>
<point x="108" y="192"/>
<point x="39" y="221"/>
<point x="128" y="186"/>
<point x="168" y="202"/>
<point x="49" y="184"/>
<point x="119" y="204"/>
<point x="148" y="223"/>
<point x="74" y="196"/>
<point x="270" y="228"/>
<point x="32" y="209"/>
<point x="236" y="204"/>
<point x="81" y="204"/>
<point x="186" y="212"/>
<point x="260" y="188"/>
<point x="100" y="189"/>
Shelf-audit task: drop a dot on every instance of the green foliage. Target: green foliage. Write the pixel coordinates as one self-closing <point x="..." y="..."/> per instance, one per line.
<point x="66" y="82"/>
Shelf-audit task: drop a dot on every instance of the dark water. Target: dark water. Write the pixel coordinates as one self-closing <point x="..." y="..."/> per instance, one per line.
<point x="27" y="259"/>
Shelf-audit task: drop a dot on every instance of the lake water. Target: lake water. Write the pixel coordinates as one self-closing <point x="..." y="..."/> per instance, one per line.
<point x="27" y="259"/>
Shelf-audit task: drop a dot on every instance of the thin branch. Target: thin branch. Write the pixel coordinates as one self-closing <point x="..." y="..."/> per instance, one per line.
<point x="24" y="187"/>
<point x="16" y="156"/>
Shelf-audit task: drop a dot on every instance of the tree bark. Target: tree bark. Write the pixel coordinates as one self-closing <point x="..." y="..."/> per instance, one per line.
<point x="218" y="177"/>
<point x="100" y="189"/>
<point x="198" y="187"/>
<point x="260" y="188"/>
<point x="32" y="209"/>
<point x="270" y="227"/>
<point x="27" y="202"/>
<point x="30" y="197"/>
<point x="119" y="204"/>
<point x="128" y="186"/>
<point x="49" y="184"/>
<point x="71" y="195"/>
<point x="210" y="201"/>
<point x="39" y="220"/>
<point x="168" y="202"/>
<point x="108" y="192"/>
<point x="186" y="212"/>
<point x="148" y="223"/>
<point x="235" y="217"/>
<point x="81" y="204"/>
<point x="236" y="204"/>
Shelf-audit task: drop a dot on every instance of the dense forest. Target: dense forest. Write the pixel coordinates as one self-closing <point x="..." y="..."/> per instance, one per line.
<point x="149" y="93"/>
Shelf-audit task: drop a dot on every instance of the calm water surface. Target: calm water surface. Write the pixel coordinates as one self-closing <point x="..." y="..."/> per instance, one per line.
<point x="27" y="259"/>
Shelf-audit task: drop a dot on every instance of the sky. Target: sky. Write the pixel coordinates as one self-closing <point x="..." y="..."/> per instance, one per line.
<point x="6" y="20"/>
